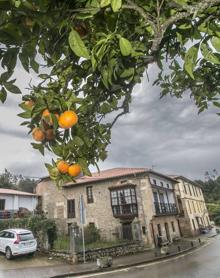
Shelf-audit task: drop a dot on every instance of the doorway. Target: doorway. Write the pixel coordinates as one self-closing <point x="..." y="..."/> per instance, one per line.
<point x="127" y="231"/>
<point x="167" y="231"/>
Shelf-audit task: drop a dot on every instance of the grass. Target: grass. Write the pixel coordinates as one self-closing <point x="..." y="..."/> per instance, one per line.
<point x="62" y="244"/>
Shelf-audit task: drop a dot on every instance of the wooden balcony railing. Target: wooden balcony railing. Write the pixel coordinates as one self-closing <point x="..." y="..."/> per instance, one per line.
<point x="125" y="211"/>
<point x="165" y="209"/>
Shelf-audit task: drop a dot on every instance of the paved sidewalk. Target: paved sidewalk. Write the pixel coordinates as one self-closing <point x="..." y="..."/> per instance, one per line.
<point x="179" y="247"/>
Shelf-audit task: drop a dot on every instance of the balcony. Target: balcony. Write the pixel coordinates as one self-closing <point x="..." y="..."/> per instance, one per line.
<point x="165" y="209"/>
<point x="7" y="214"/>
<point x="127" y="211"/>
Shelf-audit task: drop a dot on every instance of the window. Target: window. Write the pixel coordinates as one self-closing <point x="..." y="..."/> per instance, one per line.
<point x="89" y="194"/>
<point x="168" y="186"/>
<point x="194" y="190"/>
<point x="2" y="204"/>
<point x="71" y="208"/>
<point x="194" y="226"/>
<point x="155" y="197"/>
<point x="144" y="230"/>
<point x="154" y="182"/>
<point x="161" y="196"/>
<point x="159" y="229"/>
<point x="173" y="226"/>
<point x="189" y="207"/>
<point x="184" y="185"/>
<point x="161" y="183"/>
<point x="190" y="192"/>
<point x="194" y="207"/>
<point x="124" y="201"/>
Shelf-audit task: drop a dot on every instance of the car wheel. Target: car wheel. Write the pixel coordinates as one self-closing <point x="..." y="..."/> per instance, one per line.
<point x="8" y="253"/>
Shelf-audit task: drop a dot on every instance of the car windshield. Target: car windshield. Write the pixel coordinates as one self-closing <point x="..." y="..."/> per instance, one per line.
<point x="26" y="236"/>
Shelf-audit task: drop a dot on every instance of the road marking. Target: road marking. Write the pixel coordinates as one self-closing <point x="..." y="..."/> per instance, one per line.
<point x="143" y="265"/>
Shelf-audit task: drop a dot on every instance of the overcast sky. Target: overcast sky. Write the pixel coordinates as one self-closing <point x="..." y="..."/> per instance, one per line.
<point x="166" y="134"/>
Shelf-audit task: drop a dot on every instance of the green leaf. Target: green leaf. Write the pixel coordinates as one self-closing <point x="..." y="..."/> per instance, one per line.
<point x="39" y="147"/>
<point x="208" y="55"/>
<point x="12" y="88"/>
<point x="190" y="60"/>
<point x="181" y="2"/>
<point x="105" y="3"/>
<point x="77" y="141"/>
<point x="125" y="46"/>
<point x="5" y="76"/>
<point x="127" y="73"/>
<point x="77" y="45"/>
<point x="217" y="104"/>
<point x="34" y="65"/>
<point x="24" y="60"/>
<point x="216" y="43"/>
<point x="25" y="115"/>
<point x="3" y="95"/>
<point x="116" y="5"/>
<point x="84" y="166"/>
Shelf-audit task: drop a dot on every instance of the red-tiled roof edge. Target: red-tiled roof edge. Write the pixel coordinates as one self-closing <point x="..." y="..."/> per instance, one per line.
<point x="137" y="171"/>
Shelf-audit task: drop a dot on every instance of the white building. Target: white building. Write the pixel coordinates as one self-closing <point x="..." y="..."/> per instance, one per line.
<point x="11" y="200"/>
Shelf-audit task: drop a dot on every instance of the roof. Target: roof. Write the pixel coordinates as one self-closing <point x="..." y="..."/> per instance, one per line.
<point x="15" y="192"/>
<point x="112" y="174"/>
<point x="185" y="179"/>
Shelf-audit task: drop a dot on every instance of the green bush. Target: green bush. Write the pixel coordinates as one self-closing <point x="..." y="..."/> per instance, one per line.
<point x="38" y="224"/>
<point x="217" y="220"/>
<point x="92" y="234"/>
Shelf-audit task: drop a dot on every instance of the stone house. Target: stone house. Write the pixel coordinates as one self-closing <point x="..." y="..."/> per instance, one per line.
<point x="127" y="203"/>
<point x="193" y="214"/>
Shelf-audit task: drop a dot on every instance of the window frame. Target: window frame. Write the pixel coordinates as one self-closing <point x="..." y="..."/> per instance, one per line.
<point x="122" y="199"/>
<point x="71" y="208"/>
<point x="89" y="194"/>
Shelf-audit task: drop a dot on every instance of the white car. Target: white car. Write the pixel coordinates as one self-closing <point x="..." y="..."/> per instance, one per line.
<point x="14" y="242"/>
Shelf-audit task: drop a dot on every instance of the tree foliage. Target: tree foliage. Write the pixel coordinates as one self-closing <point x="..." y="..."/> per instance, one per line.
<point x="17" y="182"/>
<point x="95" y="52"/>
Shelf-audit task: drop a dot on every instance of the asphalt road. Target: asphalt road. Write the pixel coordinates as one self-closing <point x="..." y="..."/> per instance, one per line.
<point x="202" y="263"/>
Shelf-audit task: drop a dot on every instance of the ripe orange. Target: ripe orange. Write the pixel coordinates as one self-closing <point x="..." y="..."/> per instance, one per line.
<point x="38" y="134"/>
<point x="49" y="134"/>
<point x="63" y="166"/>
<point x="74" y="170"/>
<point x="29" y="103"/>
<point x="46" y="113"/>
<point x="68" y="119"/>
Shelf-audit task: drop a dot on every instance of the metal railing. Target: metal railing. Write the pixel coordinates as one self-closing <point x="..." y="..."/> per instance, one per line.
<point x="7" y="214"/>
<point x="165" y="208"/>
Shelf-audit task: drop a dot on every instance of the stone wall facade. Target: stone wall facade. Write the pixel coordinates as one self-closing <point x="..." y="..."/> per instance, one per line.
<point x="193" y="211"/>
<point x="99" y="212"/>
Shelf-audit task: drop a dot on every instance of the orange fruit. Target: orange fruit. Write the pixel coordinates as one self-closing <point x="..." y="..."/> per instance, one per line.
<point x="29" y="103"/>
<point x="63" y="166"/>
<point x="38" y="134"/>
<point x="49" y="134"/>
<point x="68" y="119"/>
<point x="74" y="170"/>
<point x="46" y="113"/>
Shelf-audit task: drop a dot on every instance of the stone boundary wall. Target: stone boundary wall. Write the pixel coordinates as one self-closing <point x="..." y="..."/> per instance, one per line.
<point x="93" y="254"/>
